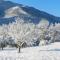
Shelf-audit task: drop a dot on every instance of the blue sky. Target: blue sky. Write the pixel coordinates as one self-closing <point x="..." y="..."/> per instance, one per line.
<point x="50" y="6"/>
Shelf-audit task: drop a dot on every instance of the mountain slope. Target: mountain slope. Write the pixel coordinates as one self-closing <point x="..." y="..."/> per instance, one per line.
<point x="9" y="9"/>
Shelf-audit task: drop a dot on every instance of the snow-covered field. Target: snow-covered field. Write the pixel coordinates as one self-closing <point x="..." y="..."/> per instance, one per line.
<point x="49" y="52"/>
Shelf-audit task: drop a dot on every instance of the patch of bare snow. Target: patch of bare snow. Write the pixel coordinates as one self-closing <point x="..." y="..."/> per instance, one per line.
<point x="48" y="52"/>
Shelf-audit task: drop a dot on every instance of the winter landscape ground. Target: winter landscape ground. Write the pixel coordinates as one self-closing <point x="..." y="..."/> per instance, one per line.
<point x="49" y="52"/>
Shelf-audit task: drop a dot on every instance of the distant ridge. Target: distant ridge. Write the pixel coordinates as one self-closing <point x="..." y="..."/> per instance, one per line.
<point x="9" y="10"/>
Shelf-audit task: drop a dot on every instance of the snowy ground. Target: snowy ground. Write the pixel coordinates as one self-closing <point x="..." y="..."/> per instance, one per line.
<point x="50" y="52"/>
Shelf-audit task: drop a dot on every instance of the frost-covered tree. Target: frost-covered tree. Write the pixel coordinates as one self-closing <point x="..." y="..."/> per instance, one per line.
<point x="3" y="35"/>
<point x="55" y="32"/>
<point x="29" y="34"/>
<point x="43" y="32"/>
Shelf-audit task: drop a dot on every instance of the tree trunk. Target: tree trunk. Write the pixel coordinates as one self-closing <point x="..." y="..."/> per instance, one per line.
<point x="19" y="49"/>
<point x="2" y="48"/>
